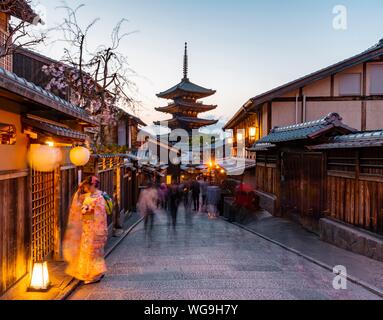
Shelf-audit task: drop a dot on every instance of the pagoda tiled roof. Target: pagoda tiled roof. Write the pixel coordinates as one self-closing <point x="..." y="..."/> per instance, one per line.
<point x="186" y="87"/>
<point x="186" y="105"/>
<point x="179" y="121"/>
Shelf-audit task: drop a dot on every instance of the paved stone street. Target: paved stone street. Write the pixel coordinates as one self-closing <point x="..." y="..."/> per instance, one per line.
<point x="210" y="259"/>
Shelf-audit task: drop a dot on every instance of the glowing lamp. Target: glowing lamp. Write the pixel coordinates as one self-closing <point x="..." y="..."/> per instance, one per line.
<point x="222" y="171"/>
<point x="169" y="180"/>
<point x="252" y="132"/>
<point x="40" y="277"/>
<point x="44" y="158"/>
<point x="79" y="156"/>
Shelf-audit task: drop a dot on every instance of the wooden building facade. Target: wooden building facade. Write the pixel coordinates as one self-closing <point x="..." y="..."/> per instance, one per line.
<point x="323" y="170"/>
<point x="352" y="87"/>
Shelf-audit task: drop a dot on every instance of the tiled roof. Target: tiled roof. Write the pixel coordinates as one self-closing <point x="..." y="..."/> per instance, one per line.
<point x="184" y="105"/>
<point x="11" y="82"/>
<point x="261" y="147"/>
<point x="355" y="140"/>
<point x="55" y="129"/>
<point x="185" y="86"/>
<point x="303" y="131"/>
<point x="191" y="121"/>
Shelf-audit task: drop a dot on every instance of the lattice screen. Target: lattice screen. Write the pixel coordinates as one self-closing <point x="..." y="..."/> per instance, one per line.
<point x="42" y="214"/>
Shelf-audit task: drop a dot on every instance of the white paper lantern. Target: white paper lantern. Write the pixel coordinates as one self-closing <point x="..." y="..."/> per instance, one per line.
<point x="44" y="158"/>
<point x="79" y="156"/>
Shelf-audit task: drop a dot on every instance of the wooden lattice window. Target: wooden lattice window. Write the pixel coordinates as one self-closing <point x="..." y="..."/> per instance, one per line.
<point x="7" y="61"/>
<point x="42" y="214"/>
<point x="342" y="161"/>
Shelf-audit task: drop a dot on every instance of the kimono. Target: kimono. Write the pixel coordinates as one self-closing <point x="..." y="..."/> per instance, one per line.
<point x="85" y="237"/>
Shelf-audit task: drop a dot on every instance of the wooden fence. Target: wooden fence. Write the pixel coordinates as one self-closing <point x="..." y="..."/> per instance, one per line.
<point x="354" y="185"/>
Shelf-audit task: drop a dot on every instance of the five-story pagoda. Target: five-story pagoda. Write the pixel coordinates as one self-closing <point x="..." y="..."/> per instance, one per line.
<point x="185" y="106"/>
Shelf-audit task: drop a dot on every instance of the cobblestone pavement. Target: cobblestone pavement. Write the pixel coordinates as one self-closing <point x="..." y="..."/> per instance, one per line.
<point x="210" y="259"/>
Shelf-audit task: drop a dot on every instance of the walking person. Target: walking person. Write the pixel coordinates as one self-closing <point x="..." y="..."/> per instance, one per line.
<point x="147" y="205"/>
<point x="196" y="192"/>
<point x="203" y="187"/>
<point x="213" y="199"/>
<point x="86" y="233"/>
<point x="163" y="195"/>
<point x="174" y="201"/>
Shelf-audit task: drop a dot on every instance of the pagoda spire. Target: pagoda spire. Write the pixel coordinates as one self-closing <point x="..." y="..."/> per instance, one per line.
<point x="186" y="66"/>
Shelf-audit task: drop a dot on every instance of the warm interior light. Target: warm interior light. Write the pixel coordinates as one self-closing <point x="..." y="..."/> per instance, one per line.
<point x="252" y="132"/>
<point x="168" y="180"/>
<point x="240" y="137"/>
<point x="40" y="276"/>
<point x="230" y="140"/>
<point x="50" y="143"/>
<point x="222" y="171"/>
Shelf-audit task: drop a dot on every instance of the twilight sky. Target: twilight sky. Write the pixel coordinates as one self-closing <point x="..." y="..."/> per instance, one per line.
<point x="238" y="47"/>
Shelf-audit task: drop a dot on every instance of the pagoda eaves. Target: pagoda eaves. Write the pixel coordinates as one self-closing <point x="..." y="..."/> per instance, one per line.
<point x="185" y="108"/>
<point x="179" y="122"/>
<point x="186" y="89"/>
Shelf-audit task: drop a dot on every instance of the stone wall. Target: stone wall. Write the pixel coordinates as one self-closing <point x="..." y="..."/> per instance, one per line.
<point x="352" y="239"/>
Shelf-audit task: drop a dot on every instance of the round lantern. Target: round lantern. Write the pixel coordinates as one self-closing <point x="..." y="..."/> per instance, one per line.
<point x="79" y="156"/>
<point x="44" y="158"/>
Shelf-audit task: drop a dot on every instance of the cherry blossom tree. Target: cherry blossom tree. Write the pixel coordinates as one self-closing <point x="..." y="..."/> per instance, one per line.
<point x="97" y="80"/>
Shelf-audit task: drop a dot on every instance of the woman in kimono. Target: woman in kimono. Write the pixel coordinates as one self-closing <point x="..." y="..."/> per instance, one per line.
<point x="86" y="233"/>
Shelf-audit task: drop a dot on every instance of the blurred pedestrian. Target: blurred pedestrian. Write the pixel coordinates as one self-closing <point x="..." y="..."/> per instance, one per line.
<point x="86" y="233"/>
<point x="174" y="201"/>
<point x="203" y="187"/>
<point x="163" y="195"/>
<point x="213" y="199"/>
<point x="147" y="205"/>
<point x="196" y="192"/>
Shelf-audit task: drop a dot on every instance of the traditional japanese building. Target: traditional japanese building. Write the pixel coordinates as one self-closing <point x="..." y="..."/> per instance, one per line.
<point x="185" y="106"/>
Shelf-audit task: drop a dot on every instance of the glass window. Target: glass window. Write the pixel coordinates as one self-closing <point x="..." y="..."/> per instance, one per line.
<point x="350" y="84"/>
<point x="7" y="134"/>
<point x="376" y="79"/>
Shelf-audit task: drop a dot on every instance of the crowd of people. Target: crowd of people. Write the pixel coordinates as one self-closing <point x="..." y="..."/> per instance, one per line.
<point x="87" y="231"/>
<point x="197" y="195"/>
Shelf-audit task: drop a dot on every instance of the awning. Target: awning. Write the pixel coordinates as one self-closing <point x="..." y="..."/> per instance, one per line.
<point x="53" y="128"/>
<point x="237" y="166"/>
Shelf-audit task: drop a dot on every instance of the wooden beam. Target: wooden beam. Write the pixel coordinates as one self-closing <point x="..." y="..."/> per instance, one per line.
<point x="364" y="103"/>
<point x="269" y="117"/>
<point x="332" y="88"/>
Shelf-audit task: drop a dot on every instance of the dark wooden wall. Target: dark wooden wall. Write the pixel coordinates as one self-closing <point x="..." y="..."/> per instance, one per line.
<point x="68" y="187"/>
<point x="14" y="230"/>
<point x="355" y="188"/>
<point x="267" y="173"/>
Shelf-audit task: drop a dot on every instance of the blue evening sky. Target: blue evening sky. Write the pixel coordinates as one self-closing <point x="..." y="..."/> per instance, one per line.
<point x="239" y="47"/>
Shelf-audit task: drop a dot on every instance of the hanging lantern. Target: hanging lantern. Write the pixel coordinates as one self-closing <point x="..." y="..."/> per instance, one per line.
<point x="79" y="156"/>
<point x="44" y="158"/>
<point x="252" y="132"/>
<point x="40" y="277"/>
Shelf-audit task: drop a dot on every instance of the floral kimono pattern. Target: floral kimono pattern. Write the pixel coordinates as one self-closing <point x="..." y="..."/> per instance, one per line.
<point x="85" y="237"/>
